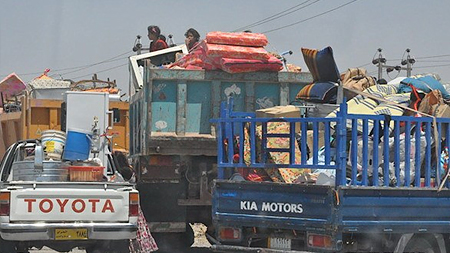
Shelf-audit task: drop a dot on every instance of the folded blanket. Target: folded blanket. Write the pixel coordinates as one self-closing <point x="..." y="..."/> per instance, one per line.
<point x="424" y="83"/>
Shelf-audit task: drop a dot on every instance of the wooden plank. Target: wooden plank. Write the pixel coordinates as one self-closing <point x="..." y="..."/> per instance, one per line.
<point x="45" y="103"/>
<point x="3" y="145"/>
<point x="9" y="133"/>
<point x="121" y="105"/>
<point x="54" y="123"/>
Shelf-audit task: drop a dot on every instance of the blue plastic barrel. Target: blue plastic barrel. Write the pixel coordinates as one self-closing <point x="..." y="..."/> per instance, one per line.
<point x="78" y="145"/>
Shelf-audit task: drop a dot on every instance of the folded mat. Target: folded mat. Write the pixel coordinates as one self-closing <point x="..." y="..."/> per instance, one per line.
<point x="239" y="39"/>
<point x="236" y="52"/>
<point x="246" y="65"/>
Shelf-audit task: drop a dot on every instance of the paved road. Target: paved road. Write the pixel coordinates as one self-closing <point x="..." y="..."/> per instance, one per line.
<point x="201" y="244"/>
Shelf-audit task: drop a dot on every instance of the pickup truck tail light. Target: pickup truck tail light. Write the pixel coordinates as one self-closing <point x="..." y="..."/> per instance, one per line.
<point x="4" y="203"/>
<point x="134" y="204"/>
<point x="319" y="241"/>
<point x="230" y="234"/>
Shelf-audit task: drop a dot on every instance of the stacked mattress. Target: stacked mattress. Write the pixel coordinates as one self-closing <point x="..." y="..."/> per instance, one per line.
<point x="231" y="52"/>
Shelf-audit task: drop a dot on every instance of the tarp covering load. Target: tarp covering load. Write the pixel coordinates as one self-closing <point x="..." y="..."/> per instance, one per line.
<point x="231" y="52"/>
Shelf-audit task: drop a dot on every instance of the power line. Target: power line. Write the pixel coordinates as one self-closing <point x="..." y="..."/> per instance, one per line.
<point x="108" y="60"/>
<point x="91" y="65"/>
<point x="434" y="61"/>
<point x="78" y="67"/>
<point x="278" y="15"/>
<point x="318" y="15"/>
<point x="433" y="66"/>
<point x="83" y="68"/>
<point x="121" y="65"/>
<point x="434" y="56"/>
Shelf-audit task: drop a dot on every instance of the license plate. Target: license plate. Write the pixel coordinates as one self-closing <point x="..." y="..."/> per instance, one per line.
<point x="71" y="234"/>
<point x="279" y="243"/>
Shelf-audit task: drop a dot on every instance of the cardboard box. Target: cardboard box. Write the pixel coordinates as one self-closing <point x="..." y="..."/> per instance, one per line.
<point x="310" y="140"/>
<point x="86" y="173"/>
<point x="442" y="111"/>
<point x="288" y="111"/>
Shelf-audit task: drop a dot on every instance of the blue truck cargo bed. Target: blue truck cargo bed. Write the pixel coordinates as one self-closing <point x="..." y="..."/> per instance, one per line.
<point x="379" y="201"/>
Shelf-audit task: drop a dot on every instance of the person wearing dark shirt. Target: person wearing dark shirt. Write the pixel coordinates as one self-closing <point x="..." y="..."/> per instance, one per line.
<point x="157" y="43"/>
<point x="154" y="34"/>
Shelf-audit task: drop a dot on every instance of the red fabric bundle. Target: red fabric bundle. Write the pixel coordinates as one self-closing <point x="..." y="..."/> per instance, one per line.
<point x="245" y="65"/>
<point x="197" y="60"/>
<point x="240" y="39"/>
<point x="236" y="52"/>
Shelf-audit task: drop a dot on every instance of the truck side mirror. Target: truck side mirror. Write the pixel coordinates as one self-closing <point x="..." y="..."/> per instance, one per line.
<point x="38" y="157"/>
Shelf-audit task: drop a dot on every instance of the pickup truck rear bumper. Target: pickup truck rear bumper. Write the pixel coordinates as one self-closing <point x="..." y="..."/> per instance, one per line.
<point x="46" y="231"/>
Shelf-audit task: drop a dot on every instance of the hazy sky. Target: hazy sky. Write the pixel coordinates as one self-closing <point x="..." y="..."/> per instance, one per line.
<point x="80" y="37"/>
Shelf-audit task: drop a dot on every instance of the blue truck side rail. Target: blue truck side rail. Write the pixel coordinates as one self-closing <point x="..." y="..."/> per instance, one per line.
<point x="232" y="124"/>
<point x="382" y="194"/>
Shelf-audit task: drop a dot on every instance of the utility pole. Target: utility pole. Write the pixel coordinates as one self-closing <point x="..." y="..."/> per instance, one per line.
<point x="380" y="62"/>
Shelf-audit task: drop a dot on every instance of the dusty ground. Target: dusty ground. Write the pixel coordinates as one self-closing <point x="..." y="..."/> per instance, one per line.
<point x="200" y="241"/>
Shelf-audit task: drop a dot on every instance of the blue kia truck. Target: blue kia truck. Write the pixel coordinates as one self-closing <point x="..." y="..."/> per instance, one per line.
<point x="381" y="184"/>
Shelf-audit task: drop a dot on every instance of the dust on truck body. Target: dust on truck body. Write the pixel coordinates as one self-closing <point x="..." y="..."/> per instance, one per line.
<point x="173" y="143"/>
<point x="378" y="201"/>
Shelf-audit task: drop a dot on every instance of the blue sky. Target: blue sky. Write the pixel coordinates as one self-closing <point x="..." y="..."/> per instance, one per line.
<point x="78" y="38"/>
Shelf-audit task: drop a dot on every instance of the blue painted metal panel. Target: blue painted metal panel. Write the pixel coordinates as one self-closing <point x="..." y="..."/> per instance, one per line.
<point x="368" y="209"/>
<point x="164" y="91"/>
<point x="199" y="107"/>
<point x="164" y="104"/>
<point x="164" y="115"/>
<point x="267" y="95"/>
<point x="294" y="88"/>
<point x="272" y="204"/>
<point x="235" y="90"/>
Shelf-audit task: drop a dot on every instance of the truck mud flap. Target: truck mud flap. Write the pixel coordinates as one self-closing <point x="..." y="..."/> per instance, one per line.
<point x="231" y="248"/>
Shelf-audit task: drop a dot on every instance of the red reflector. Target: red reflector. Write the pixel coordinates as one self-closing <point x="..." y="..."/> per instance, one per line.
<point x="134" y="210"/>
<point x="319" y="241"/>
<point x="134" y="204"/>
<point x="4" y="203"/>
<point x="230" y="233"/>
<point x="4" y="209"/>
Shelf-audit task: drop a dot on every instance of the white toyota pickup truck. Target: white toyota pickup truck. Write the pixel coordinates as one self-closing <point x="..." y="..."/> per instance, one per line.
<point x="40" y="206"/>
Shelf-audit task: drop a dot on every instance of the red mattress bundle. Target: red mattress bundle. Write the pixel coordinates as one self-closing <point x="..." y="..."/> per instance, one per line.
<point x="245" y="65"/>
<point x="231" y="52"/>
<point x="236" y="52"/>
<point x="237" y="39"/>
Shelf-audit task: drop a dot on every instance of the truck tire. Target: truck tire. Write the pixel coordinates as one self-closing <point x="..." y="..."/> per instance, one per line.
<point x="174" y="242"/>
<point x="422" y="243"/>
